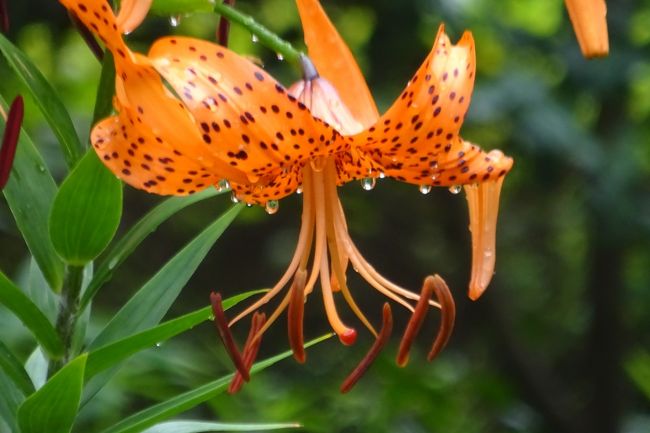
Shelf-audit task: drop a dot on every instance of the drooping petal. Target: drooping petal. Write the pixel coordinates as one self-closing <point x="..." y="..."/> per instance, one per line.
<point x="335" y="62"/>
<point x="590" y="25"/>
<point x="246" y="117"/>
<point x="131" y="14"/>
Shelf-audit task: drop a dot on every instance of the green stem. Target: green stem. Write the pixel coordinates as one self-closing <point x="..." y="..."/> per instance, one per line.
<point x="67" y="319"/>
<point x="264" y="35"/>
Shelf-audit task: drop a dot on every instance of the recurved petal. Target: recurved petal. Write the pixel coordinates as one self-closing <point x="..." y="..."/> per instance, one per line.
<point x="421" y="128"/>
<point x="590" y="25"/>
<point x="246" y="117"/>
<point x="335" y="62"/>
<point x="131" y="14"/>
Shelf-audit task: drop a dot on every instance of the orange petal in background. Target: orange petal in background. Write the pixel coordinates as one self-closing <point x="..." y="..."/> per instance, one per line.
<point x="590" y="24"/>
<point x="132" y="13"/>
<point x="335" y="62"/>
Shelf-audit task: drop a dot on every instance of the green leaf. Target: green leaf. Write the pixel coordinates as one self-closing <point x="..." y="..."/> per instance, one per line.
<point x="37" y="367"/>
<point x="14" y="370"/>
<point x="148" y="306"/>
<point x="53" y="408"/>
<point x="113" y="353"/>
<point x="105" y="89"/>
<point x="177" y="7"/>
<point x="130" y="241"/>
<point x="202" y="426"/>
<point x="28" y="313"/>
<point x="187" y="400"/>
<point x="10" y="400"/>
<point x="86" y="211"/>
<point x="47" y="100"/>
<point x="637" y="366"/>
<point x="29" y="193"/>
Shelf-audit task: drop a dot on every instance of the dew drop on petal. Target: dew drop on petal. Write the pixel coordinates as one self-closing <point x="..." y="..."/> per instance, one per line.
<point x="382" y="175"/>
<point x="368" y="183"/>
<point x="272" y="206"/>
<point x="233" y="198"/>
<point x="425" y="189"/>
<point x="299" y="190"/>
<point x="455" y="189"/>
<point x="254" y="38"/>
<point x="223" y="185"/>
<point x="279" y="56"/>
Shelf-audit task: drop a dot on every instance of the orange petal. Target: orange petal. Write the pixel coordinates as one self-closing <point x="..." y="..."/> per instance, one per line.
<point x="483" y="203"/>
<point x="590" y="25"/>
<point x="335" y="62"/>
<point x="421" y="127"/>
<point x="132" y="13"/>
<point x="245" y="116"/>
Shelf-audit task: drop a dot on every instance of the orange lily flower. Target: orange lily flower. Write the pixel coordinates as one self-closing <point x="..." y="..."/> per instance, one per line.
<point x="589" y="19"/>
<point x="230" y="121"/>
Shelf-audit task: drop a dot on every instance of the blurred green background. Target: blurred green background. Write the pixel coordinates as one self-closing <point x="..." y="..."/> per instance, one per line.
<point x="560" y="341"/>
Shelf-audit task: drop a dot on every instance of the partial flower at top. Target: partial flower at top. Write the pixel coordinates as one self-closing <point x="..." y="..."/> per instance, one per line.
<point x="589" y="19"/>
<point x="230" y="122"/>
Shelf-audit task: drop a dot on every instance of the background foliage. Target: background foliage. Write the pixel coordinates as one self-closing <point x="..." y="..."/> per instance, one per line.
<point x="559" y="342"/>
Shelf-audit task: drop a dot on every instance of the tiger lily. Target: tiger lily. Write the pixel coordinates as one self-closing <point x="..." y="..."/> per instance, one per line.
<point x="231" y="121"/>
<point x="590" y="25"/>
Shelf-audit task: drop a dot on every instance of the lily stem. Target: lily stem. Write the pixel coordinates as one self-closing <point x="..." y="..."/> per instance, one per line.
<point x="67" y="317"/>
<point x="264" y="35"/>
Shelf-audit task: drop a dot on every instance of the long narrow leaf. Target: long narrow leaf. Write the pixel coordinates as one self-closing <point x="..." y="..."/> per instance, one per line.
<point x="130" y="241"/>
<point x="148" y="306"/>
<point x="14" y="370"/>
<point x="28" y="313"/>
<point x="188" y="426"/>
<point x="53" y="408"/>
<point x="47" y="100"/>
<point x="182" y="402"/>
<point x="30" y="193"/>
<point x="111" y="354"/>
<point x="10" y="400"/>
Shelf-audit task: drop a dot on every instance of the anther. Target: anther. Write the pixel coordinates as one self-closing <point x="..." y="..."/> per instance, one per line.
<point x="415" y="322"/>
<point x="380" y="342"/>
<point x="10" y="139"/>
<point x="87" y="37"/>
<point x="251" y="348"/>
<point x="221" y="323"/>
<point x="295" y="316"/>
<point x="224" y="26"/>
<point x="447" y="316"/>
<point x="309" y="72"/>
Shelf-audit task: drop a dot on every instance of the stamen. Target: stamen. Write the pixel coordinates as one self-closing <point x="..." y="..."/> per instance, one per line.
<point x="447" y="316"/>
<point x="251" y="348"/>
<point x="380" y="342"/>
<point x="4" y="17"/>
<point x="415" y="323"/>
<point x="87" y="37"/>
<point x="10" y="139"/>
<point x="221" y="323"/>
<point x="224" y="26"/>
<point x="295" y="316"/>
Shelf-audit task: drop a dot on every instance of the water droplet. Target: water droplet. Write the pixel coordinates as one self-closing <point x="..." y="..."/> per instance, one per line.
<point x="272" y="206"/>
<point x="175" y="20"/>
<point x="455" y="189"/>
<point x="249" y="204"/>
<point x="434" y="176"/>
<point x="488" y="253"/>
<point x="299" y="190"/>
<point x="368" y="183"/>
<point x="113" y="263"/>
<point x="382" y="175"/>
<point x="158" y="344"/>
<point x="234" y="198"/>
<point x="254" y="38"/>
<point x="223" y="185"/>
<point x="433" y="165"/>
<point x="279" y="56"/>
<point x="425" y="189"/>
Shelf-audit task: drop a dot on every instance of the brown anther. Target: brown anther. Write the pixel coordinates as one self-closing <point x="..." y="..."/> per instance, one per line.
<point x="251" y="348"/>
<point x="415" y="322"/>
<point x="87" y="37"/>
<point x="226" y="336"/>
<point x="4" y="16"/>
<point x="295" y="316"/>
<point x="447" y="316"/>
<point x="224" y="26"/>
<point x="10" y="139"/>
<point x="380" y="342"/>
